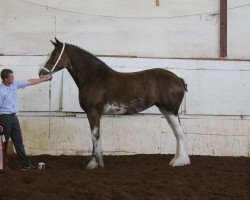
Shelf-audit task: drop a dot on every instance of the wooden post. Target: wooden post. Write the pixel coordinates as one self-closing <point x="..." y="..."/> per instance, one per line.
<point x="223" y="28"/>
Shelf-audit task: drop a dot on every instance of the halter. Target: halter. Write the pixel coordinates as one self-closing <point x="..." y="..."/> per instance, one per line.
<point x="59" y="58"/>
<point x="50" y="71"/>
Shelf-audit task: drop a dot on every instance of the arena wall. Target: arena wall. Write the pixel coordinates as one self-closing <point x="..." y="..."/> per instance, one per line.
<point x="214" y="113"/>
<point x="131" y="36"/>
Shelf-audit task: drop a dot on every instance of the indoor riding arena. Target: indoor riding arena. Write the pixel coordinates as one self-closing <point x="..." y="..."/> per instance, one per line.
<point x="125" y="100"/>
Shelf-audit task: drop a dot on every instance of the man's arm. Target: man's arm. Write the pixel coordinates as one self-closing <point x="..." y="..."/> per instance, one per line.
<point x="39" y="80"/>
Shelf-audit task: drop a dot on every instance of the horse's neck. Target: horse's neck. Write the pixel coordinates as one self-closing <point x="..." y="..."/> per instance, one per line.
<point x="83" y="67"/>
<point x="73" y="73"/>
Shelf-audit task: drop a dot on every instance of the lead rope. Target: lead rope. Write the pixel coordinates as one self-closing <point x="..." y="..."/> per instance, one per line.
<point x="49" y="108"/>
<point x="50" y="71"/>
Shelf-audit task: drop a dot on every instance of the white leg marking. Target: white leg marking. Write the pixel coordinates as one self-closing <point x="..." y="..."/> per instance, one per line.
<point x="92" y="163"/>
<point x="96" y="158"/>
<point x="97" y="154"/>
<point x="181" y="156"/>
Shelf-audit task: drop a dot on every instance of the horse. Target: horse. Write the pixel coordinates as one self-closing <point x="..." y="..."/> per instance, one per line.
<point x="104" y="91"/>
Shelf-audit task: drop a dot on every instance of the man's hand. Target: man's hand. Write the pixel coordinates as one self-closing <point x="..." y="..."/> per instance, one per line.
<point x="39" y="80"/>
<point x="46" y="77"/>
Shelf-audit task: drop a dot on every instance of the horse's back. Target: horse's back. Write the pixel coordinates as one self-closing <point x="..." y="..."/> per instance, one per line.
<point x="160" y="78"/>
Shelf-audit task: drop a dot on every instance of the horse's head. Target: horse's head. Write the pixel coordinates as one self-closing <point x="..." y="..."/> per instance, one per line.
<point x="57" y="60"/>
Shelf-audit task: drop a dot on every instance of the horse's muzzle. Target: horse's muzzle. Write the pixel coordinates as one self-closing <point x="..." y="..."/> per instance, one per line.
<point x="43" y="72"/>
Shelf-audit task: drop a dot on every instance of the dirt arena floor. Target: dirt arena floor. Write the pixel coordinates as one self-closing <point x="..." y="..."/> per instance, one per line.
<point x="139" y="177"/>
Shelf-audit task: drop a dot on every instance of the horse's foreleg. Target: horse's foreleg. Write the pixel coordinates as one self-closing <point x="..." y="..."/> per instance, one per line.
<point x="96" y="158"/>
<point x="181" y="156"/>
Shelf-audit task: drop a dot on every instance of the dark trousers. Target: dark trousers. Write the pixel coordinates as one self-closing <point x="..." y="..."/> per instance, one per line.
<point x="12" y="130"/>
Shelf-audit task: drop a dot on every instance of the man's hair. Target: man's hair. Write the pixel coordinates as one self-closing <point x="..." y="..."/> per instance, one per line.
<point x="5" y="73"/>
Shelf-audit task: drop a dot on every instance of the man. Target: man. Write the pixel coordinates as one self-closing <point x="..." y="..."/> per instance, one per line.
<point x="9" y="108"/>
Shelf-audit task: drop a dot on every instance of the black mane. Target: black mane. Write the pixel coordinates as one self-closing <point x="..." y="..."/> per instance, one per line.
<point x="84" y="53"/>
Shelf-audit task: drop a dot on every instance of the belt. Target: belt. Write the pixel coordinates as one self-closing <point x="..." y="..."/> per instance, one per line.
<point x="12" y="114"/>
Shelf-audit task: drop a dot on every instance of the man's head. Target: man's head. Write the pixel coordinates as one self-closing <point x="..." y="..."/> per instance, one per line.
<point x="7" y="76"/>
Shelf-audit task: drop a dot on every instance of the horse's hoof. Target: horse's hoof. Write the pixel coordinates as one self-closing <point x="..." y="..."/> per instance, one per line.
<point x="180" y="161"/>
<point x="91" y="164"/>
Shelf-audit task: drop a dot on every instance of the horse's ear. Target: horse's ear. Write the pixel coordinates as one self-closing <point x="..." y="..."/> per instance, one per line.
<point x="53" y="43"/>
<point x="57" y="41"/>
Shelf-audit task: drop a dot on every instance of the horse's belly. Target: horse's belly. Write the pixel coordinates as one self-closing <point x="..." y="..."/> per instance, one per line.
<point x="114" y="109"/>
<point x="119" y="108"/>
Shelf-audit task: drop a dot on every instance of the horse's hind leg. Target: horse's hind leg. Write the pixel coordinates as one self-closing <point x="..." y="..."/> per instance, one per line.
<point x="96" y="158"/>
<point x="181" y="156"/>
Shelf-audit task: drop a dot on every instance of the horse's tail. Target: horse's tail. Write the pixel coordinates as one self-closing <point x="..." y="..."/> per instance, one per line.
<point x="184" y="84"/>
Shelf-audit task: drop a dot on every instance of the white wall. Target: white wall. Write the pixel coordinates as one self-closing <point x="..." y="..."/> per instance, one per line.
<point x="238" y="30"/>
<point x="127" y="33"/>
<point x="180" y="28"/>
<point x="215" y="112"/>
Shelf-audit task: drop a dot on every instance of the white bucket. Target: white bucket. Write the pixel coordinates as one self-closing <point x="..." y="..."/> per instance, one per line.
<point x="41" y="165"/>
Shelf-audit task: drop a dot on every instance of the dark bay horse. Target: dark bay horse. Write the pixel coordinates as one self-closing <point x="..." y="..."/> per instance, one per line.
<point x="103" y="90"/>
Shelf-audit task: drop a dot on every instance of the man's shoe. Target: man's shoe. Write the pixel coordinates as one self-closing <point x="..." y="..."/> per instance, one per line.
<point x="29" y="167"/>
